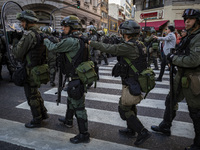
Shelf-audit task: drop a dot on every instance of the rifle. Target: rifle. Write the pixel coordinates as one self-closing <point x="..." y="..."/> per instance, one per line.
<point x="60" y="87"/>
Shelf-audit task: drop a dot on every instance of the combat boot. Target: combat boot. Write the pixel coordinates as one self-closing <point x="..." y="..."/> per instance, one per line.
<point x="81" y="138"/>
<point x="52" y="84"/>
<point x="127" y="132"/>
<point x="68" y="124"/>
<point x="163" y="127"/>
<point x="142" y="137"/>
<point x="35" y="123"/>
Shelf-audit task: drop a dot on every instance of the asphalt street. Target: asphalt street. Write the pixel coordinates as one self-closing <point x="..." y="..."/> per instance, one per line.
<point x="104" y="120"/>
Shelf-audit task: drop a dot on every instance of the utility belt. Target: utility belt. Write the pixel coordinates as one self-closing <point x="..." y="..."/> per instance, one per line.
<point x="72" y="78"/>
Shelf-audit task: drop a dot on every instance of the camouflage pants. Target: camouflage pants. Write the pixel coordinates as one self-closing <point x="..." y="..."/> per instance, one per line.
<point x="77" y="108"/>
<point x="35" y="101"/>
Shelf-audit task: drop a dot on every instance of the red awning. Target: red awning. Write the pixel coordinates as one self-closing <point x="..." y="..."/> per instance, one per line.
<point x="155" y="24"/>
<point x="179" y="24"/>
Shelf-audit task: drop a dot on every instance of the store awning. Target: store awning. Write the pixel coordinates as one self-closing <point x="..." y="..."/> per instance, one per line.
<point x="179" y="24"/>
<point x="155" y="24"/>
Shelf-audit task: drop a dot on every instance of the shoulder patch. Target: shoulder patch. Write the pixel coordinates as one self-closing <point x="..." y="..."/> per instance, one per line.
<point x="197" y="49"/>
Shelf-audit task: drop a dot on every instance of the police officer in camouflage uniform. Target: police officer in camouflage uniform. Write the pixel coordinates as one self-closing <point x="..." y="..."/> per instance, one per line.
<point x="134" y="51"/>
<point x="186" y="82"/>
<point x="30" y="54"/>
<point x="102" y="54"/>
<point x="75" y="102"/>
<point x="153" y="48"/>
<point x="51" y="56"/>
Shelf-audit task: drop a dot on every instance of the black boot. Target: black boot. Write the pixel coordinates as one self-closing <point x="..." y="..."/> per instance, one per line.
<point x="33" y="124"/>
<point x="68" y="124"/>
<point x="163" y="127"/>
<point x="135" y="124"/>
<point x="52" y="84"/>
<point x="159" y="79"/>
<point x="81" y="138"/>
<point x="142" y="137"/>
<point x="127" y="132"/>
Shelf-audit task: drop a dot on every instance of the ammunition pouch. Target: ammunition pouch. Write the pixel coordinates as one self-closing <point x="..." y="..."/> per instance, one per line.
<point x="184" y="82"/>
<point x="75" y="89"/>
<point x="40" y="75"/>
<point x="19" y="76"/>
<point x="155" y="46"/>
<point x="86" y="72"/>
<point x="147" y="80"/>
<point x="120" y="70"/>
<point x="195" y="83"/>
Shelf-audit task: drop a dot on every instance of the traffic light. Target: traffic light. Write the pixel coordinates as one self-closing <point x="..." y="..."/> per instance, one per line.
<point x="78" y="4"/>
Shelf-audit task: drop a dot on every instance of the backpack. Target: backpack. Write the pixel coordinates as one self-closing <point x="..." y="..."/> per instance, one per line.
<point x="146" y="78"/>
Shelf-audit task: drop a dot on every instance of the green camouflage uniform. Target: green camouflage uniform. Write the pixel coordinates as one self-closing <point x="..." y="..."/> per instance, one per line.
<point x="71" y="46"/>
<point x="35" y="101"/>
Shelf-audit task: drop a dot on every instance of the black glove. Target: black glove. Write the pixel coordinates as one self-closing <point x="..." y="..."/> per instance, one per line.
<point x="84" y="38"/>
<point x="170" y="57"/>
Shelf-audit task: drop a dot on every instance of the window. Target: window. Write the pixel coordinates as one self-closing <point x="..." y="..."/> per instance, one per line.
<point x="148" y="4"/>
<point x="113" y="25"/>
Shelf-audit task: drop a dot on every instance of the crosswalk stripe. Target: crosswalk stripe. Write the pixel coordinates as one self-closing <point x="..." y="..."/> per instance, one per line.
<point x="48" y="139"/>
<point x="110" y="67"/>
<point x="110" y="72"/>
<point x="149" y="103"/>
<point x="119" y="87"/>
<point x="106" y="77"/>
<point x="181" y="129"/>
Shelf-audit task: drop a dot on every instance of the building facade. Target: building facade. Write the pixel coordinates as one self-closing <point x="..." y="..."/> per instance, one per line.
<point x="51" y="12"/>
<point x="116" y="17"/>
<point x="104" y="15"/>
<point x="160" y="13"/>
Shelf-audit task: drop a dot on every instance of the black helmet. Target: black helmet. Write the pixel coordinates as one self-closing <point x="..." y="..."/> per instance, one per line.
<point x="129" y="27"/>
<point x="72" y="21"/>
<point x="191" y="13"/>
<point x="27" y="15"/>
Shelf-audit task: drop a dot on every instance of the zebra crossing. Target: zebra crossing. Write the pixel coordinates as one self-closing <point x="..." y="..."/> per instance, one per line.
<point x="107" y="93"/>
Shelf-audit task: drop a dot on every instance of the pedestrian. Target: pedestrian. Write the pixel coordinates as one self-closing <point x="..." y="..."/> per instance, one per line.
<point x="186" y="81"/>
<point x="72" y="46"/>
<point x="133" y="50"/>
<point x="169" y="42"/>
<point x="31" y="51"/>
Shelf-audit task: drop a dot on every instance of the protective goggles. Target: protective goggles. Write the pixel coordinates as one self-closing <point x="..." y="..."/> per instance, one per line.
<point x="189" y="12"/>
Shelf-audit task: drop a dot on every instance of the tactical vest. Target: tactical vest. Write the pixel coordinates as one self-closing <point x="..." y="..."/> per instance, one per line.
<point x="67" y="67"/>
<point x="37" y="55"/>
<point x="122" y="68"/>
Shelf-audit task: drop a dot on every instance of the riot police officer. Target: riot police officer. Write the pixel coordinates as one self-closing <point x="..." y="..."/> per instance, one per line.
<point x="133" y="50"/>
<point x="153" y="48"/>
<point x="186" y="81"/>
<point x="71" y="47"/>
<point x="30" y="51"/>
